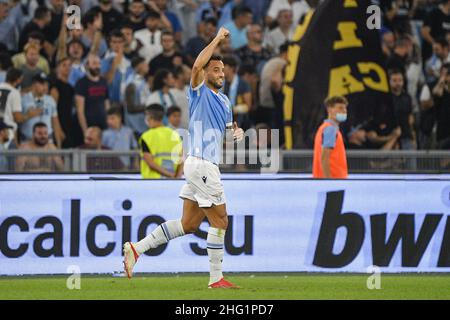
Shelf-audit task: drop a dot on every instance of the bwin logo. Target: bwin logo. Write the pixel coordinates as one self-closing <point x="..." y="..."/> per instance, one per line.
<point x="383" y="243"/>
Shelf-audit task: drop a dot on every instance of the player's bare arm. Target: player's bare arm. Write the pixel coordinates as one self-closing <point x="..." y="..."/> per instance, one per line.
<point x="197" y="75"/>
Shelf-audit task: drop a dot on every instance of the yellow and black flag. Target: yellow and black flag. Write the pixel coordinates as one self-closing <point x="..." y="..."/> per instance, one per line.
<point x="334" y="52"/>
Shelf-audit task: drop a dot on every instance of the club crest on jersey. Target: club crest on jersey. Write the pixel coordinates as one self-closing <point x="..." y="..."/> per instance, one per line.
<point x="204" y="179"/>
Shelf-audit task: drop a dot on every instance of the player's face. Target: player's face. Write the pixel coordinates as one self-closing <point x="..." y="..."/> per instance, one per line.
<point x="215" y="74"/>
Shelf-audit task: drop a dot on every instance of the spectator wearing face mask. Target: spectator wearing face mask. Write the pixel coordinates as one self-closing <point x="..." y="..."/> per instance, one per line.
<point x="330" y="160"/>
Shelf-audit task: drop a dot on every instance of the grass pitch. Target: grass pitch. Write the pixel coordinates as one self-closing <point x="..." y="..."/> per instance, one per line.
<point x="254" y="286"/>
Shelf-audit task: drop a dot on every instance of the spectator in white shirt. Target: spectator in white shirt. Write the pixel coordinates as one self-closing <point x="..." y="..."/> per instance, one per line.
<point x="299" y="9"/>
<point x="150" y="37"/>
<point x="281" y="34"/>
<point x="11" y="103"/>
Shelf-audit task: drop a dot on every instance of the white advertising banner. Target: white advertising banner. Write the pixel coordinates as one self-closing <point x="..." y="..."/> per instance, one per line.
<point x="275" y="225"/>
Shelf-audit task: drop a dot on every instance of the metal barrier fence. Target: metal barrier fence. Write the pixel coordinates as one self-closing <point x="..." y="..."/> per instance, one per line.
<point x="94" y="161"/>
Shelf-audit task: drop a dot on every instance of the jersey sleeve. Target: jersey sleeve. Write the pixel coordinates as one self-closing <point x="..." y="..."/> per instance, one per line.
<point x="197" y="91"/>
<point x="329" y="137"/>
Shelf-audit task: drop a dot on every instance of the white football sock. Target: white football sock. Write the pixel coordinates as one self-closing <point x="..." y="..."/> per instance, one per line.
<point x="214" y="245"/>
<point x="162" y="234"/>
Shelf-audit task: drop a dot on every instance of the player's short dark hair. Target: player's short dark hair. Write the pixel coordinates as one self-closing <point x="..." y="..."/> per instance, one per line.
<point x="13" y="74"/>
<point x="155" y="111"/>
<point x="36" y="35"/>
<point x="39" y="124"/>
<point x="230" y="61"/>
<point x="114" y="111"/>
<point x="41" y="12"/>
<point x="214" y="57"/>
<point x="332" y="101"/>
<point x="172" y="110"/>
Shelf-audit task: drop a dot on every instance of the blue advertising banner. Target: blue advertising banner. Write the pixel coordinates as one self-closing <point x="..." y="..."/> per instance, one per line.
<point x="275" y="225"/>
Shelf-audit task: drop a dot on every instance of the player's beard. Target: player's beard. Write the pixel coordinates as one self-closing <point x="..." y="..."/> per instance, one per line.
<point x="216" y="84"/>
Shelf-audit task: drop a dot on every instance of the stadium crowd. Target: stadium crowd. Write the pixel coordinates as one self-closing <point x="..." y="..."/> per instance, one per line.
<point x="85" y="82"/>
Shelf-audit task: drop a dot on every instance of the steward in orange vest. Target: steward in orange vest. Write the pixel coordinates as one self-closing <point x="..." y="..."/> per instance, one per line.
<point x="330" y="160"/>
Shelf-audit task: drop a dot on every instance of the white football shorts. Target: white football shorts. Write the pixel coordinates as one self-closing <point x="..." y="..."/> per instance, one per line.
<point x="203" y="184"/>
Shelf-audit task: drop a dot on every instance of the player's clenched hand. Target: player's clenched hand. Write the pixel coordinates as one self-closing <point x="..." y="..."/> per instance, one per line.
<point x="223" y="33"/>
<point x="238" y="133"/>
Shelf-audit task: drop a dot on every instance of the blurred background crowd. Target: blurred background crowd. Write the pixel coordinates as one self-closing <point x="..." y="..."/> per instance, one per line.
<point x="84" y="82"/>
